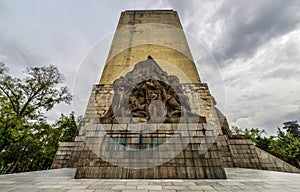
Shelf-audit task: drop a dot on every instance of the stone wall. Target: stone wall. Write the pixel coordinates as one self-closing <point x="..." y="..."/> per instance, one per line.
<point x="272" y="163"/>
<point x="226" y="156"/>
<point x="243" y="153"/>
<point x="199" y="158"/>
<point x="67" y="155"/>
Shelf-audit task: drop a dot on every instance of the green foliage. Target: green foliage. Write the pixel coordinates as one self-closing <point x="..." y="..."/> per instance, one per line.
<point x="2" y="68"/>
<point x="254" y="134"/>
<point x="293" y="128"/>
<point x="236" y="131"/>
<point x="285" y="146"/>
<point x="27" y="141"/>
<point x="33" y="146"/>
<point x="68" y="127"/>
<point x="38" y="91"/>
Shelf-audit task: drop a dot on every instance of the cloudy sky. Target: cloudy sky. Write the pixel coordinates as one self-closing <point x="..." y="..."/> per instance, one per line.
<point x="256" y="44"/>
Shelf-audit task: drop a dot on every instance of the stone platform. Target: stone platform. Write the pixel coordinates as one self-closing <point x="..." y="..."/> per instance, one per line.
<point x="62" y="180"/>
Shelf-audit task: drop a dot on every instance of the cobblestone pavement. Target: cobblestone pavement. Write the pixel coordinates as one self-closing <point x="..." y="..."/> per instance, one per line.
<point x="61" y="180"/>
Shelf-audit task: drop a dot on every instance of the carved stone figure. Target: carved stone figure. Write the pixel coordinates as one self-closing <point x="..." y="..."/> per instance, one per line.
<point x="148" y="85"/>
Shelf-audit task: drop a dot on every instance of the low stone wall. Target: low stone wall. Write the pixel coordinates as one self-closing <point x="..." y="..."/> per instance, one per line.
<point x="67" y="155"/>
<point x="225" y="151"/>
<point x="243" y="153"/>
<point x="272" y="163"/>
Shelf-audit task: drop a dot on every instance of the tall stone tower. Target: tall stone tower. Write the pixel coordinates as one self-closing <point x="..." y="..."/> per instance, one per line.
<point x="150" y="116"/>
<point x="155" y="33"/>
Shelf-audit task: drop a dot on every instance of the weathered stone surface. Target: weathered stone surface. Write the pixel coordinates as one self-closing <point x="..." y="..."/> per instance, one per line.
<point x="270" y="162"/>
<point x="150" y="32"/>
<point x="67" y="155"/>
<point x="152" y="96"/>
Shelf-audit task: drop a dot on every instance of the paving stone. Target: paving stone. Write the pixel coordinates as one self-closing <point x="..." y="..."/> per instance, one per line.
<point x="162" y="190"/>
<point x="189" y="190"/>
<point x="201" y="187"/>
<point x="154" y="187"/>
<point x="239" y="179"/>
<point x="123" y="187"/>
<point x="134" y="190"/>
<point x="176" y="187"/>
<point x="184" y="183"/>
<point x="106" y="190"/>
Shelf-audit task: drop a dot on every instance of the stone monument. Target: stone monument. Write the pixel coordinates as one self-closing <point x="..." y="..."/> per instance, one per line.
<point x="150" y="116"/>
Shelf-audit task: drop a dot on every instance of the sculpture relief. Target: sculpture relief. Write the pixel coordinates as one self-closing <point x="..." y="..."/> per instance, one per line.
<point x="147" y="93"/>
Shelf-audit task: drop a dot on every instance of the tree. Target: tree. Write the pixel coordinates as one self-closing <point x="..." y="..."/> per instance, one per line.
<point x="38" y="91"/>
<point x="27" y="141"/>
<point x="252" y="133"/>
<point x="293" y="128"/>
<point x="235" y="130"/>
<point x="26" y="99"/>
<point x="35" y="146"/>
<point x="67" y="125"/>
<point x="2" y="68"/>
<point x="286" y="147"/>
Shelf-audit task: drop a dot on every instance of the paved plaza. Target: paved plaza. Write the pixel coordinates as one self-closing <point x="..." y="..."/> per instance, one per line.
<point x="62" y="180"/>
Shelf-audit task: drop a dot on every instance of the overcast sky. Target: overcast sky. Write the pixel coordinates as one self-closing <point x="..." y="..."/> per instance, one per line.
<point x="256" y="44"/>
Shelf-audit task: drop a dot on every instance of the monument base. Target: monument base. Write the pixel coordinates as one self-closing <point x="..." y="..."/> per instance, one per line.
<point x="173" y="151"/>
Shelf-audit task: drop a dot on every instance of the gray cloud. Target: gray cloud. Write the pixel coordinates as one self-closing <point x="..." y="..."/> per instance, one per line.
<point x="282" y="73"/>
<point x="235" y="29"/>
<point x="253" y="23"/>
<point x="255" y="43"/>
